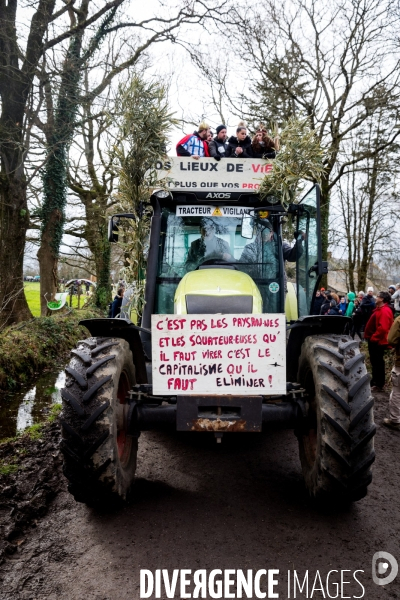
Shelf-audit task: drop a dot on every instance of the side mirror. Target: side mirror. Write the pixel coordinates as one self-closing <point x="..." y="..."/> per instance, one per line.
<point x="247" y="226"/>
<point x="113" y="229"/>
<point x="113" y="225"/>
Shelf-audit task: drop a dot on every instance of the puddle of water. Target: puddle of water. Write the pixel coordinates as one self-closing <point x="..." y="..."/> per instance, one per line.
<point x="19" y="410"/>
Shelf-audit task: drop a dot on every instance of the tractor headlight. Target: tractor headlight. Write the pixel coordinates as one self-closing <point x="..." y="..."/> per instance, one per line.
<point x="162" y="194"/>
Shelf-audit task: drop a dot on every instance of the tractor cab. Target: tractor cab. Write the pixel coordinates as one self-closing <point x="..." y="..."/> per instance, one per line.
<point x="231" y="252"/>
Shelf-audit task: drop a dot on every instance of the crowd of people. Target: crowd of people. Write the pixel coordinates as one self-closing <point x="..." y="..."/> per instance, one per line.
<point x="357" y="306"/>
<point x="376" y="319"/>
<point x="203" y="143"/>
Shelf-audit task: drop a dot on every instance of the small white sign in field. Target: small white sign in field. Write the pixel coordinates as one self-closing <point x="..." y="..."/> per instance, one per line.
<point x="240" y="355"/>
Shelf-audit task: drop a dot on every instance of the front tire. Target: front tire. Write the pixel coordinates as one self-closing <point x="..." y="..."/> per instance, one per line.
<point x="336" y="440"/>
<point x="99" y="454"/>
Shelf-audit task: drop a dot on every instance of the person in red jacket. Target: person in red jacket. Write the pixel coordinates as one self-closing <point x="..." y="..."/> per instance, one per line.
<point x="376" y="333"/>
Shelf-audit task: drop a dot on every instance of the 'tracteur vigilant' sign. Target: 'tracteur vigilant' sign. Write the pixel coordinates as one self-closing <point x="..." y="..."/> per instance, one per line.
<point x="219" y="354"/>
<point x="226" y="175"/>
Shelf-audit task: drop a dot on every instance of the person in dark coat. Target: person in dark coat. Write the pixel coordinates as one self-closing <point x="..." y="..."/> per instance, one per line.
<point x="318" y="301"/>
<point x="219" y="147"/>
<point x="326" y="304"/>
<point x="117" y="302"/>
<point x="333" y="308"/>
<point x="263" y="145"/>
<point x="240" y="146"/>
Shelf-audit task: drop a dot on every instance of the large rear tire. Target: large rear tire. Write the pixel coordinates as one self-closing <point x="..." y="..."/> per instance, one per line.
<point x="336" y="441"/>
<point x="99" y="454"/>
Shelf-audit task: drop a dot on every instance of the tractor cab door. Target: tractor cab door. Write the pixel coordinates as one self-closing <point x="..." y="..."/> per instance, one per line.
<point x="309" y="264"/>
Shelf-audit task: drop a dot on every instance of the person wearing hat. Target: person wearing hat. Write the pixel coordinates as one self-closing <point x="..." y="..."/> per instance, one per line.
<point x="219" y="147"/>
<point x="396" y="300"/>
<point x="350" y="304"/>
<point x="195" y="144"/>
<point x="392" y="290"/>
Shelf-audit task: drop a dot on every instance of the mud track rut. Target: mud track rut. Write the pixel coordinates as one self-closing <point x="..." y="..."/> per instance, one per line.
<point x="240" y="504"/>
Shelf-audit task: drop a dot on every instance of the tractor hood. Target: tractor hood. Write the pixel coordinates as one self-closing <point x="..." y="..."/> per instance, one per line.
<point x="213" y="291"/>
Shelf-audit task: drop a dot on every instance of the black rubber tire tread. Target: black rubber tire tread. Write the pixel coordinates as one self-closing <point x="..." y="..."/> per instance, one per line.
<point x="98" y="364"/>
<point x="337" y="462"/>
<point x="87" y="396"/>
<point x="79" y="378"/>
<point x="92" y="465"/>
<point x="84" y="356"/>
<point x="99" y="349"/>
<point x="72" y="401"/>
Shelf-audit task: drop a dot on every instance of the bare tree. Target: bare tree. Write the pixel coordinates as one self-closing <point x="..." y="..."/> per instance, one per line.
<point x="19" y="63"/>
<point x="19" y="66"/>
<point x="365" y="217"/>
<point x="336" y="63"/>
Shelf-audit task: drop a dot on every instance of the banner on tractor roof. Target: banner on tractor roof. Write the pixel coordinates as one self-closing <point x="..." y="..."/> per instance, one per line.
<point x="227" y="175"/>
<point x="239" y="355"/>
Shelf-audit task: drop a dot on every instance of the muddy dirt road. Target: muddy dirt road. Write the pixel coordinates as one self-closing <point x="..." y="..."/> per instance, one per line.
<point x="238" y="505"/>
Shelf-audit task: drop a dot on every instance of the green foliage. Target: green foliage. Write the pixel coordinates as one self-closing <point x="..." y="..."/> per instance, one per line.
<point x="34" y="432"/>
<point x="24" y="350"/>
<point x="300" y="158"/>
<point x="54" y="413"/>
<point x="145" y="122"/>
<point x="7" y="469"/>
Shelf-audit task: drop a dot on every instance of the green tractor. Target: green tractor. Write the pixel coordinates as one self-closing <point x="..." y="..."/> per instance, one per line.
<point x="220" y="275"/>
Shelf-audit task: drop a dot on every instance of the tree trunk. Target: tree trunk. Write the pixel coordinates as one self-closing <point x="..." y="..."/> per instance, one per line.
<point x="48" y="262"/>
<point x="14" y="222"/>
<point x="325" y="197"/>
<point x="102" y="255"/>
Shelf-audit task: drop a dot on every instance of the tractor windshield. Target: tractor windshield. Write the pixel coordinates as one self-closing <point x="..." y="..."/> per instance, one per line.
<point x="213" y="239"/>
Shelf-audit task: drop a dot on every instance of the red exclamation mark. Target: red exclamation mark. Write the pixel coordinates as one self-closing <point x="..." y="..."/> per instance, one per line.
<point x="270" y="380"/>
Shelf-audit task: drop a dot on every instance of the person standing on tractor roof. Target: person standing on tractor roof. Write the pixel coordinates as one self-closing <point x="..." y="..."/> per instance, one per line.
<point x="393" y="422"/>
<point x="195" y="144"/>
<point x="240" y="146"/>
<point x="219" y="147"/>
<point x="376" y="333"/>
<point x="263" y="145"/>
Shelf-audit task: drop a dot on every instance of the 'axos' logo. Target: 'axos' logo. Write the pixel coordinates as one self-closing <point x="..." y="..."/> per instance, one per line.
<point x="380" y="565"/>
<point x="218" y="195"/>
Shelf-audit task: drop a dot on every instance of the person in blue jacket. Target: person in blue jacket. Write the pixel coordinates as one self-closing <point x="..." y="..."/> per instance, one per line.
<point x="117" y="302"/>
<point x="342" y="305"/>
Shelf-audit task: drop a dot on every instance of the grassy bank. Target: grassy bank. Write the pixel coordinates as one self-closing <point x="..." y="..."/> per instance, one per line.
<point x="28" y="348"/>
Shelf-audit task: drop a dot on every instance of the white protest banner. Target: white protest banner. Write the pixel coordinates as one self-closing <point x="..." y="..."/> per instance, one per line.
<point x="226" y="175"/>
<point x="219" y="354"/>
